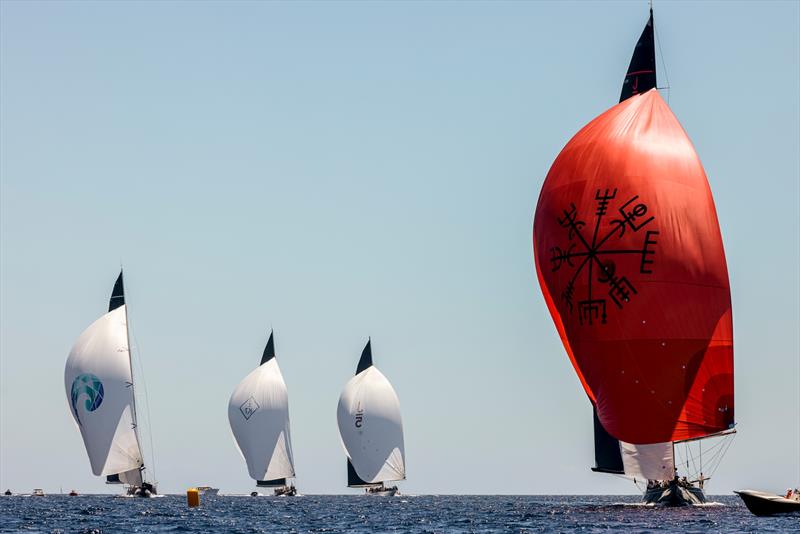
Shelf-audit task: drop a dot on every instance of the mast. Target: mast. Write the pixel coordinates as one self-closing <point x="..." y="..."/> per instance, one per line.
<point x="118" y="299"/>
<point x="639" y="78"/>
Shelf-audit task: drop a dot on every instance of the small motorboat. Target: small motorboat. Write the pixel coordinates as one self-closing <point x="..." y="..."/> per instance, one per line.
<point x="208" y="491"/>
<point x="38" y="492"/>
<point x="8" y="493"/>
<point x="73" y="493"/>
<point x="762" y="503"/>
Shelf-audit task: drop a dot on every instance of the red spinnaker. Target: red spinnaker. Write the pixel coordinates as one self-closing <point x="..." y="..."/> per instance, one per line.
<point x="630" y="260"/>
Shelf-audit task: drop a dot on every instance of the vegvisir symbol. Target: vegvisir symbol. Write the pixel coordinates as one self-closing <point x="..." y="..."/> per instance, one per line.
<point x="586" y="256"/>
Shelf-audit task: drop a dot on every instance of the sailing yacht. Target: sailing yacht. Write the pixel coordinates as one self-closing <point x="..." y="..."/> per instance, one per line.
<point x="630" y="261"/>
<point x="371" y="429"/>
<point x="101" y="396"/>
<point x="258" y="412"/>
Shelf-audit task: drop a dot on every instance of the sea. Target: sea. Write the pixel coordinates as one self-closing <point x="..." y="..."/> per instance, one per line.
<point x="360" y="513"/>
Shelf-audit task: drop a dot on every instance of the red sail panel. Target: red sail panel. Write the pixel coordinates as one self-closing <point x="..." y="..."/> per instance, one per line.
<point x="629" y="257"/>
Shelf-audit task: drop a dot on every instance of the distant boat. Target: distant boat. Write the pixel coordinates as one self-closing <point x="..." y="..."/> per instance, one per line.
<point x="630" y="260"/>
<point x="258" y="412"/>
<point x="73" y="493"/>
<point x="100" y="393"/>
<point x="37" y="492"/>
<point x="761" y="503"/>
<point x="371" y="429"/>
<point x="207" y="491"/>
<point x="8" y="493"/>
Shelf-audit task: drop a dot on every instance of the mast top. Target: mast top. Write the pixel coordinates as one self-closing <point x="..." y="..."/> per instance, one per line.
<point x="117" y="294"/>
<point x="366" y="357"/>
<point x="641" y="74"/>
<point x="269" y="350"/>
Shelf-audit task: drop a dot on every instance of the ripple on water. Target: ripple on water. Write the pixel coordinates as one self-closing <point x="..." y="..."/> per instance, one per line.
<point x="414" y="514"/>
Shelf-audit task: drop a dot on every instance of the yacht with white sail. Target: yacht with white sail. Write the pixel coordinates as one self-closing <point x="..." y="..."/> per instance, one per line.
<point x="371" y="429"/>
<point x="258" y="412"/>
<point x="101" y="395"/>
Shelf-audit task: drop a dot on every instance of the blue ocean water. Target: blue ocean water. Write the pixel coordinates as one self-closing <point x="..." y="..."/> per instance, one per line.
<point x="330" y="513"/>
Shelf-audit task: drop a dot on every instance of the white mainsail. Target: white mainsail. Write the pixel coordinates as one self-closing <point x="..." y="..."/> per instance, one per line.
<point x="370" y="424"/>
<point x="654" y="461"/>
<point x="258" y="412"/>
<point x="99" y="388"/>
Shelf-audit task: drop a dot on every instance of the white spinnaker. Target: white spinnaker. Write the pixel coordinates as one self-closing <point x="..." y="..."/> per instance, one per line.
<point x="258" y="412"/>
<point x="99" y="391"/>
<point x="654" y="461"/>
<point x="371" y="428"/>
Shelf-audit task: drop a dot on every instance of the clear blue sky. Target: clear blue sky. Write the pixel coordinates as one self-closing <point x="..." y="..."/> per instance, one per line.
<point x="339" y="170"/>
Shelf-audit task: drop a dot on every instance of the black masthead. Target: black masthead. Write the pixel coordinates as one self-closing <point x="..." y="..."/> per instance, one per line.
<point x="117" y="294"/>
<point x="641" y="75"/>
<point x="366" y="358"/>
<point x="269" y="351"/>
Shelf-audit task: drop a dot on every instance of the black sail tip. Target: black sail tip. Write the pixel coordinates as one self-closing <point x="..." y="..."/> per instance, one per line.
<point x="641" y="75"/>
<point x="366" y="357"/>
<point x="117" y="294"/>
<point x="269" y="350"/>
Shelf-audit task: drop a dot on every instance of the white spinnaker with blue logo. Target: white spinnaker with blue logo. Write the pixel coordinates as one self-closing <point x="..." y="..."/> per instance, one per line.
<point x="100" y="397"/>
<point x="258" y="412"/>
<point x="371" y="427"/>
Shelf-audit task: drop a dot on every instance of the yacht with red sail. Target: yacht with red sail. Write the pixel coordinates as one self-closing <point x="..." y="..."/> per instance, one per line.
<point x="630" y="261"/>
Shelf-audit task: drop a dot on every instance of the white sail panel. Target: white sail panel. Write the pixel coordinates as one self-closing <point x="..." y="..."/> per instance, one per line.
<point x="132" y="477"/>
<point x="654" y="461"/>
<point x="99" y="391"/>
<point x="258" y="412"/>
<point x="371" y="427"/>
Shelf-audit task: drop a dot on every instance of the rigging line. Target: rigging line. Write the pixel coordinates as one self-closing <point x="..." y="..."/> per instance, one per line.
<point x="147" y="406"/>
<point x="663" y="63"/>
<point x="730" y="442"/>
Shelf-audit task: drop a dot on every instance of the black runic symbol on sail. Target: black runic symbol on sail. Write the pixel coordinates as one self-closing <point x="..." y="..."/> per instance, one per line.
<point x="594" y="258"/>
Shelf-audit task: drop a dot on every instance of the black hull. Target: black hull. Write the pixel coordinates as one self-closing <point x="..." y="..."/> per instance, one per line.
<point x="144" y="491"/>
<point x="761" y="503"/>
<point x="286" y="491"/>
<point x="674" y="494"/>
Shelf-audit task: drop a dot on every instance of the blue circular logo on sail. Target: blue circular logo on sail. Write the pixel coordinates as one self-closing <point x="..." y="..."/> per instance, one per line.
<point x="89" y="385"/>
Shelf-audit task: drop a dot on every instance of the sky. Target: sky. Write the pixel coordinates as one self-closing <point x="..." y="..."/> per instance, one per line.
<point x="338" y="170"/>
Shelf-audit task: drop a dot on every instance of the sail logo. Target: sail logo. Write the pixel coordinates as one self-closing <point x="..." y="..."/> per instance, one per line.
<point x="590" y="253"/>
<point x="359" y="417"/>
<point x="91" y="386"/>
<point x="249" y="407"/>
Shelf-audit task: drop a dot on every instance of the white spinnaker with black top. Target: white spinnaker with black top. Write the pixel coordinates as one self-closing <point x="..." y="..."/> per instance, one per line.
<point x="258" y="412"/>
<point x="371" y="427"/>
<point x="100" y="395"/>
